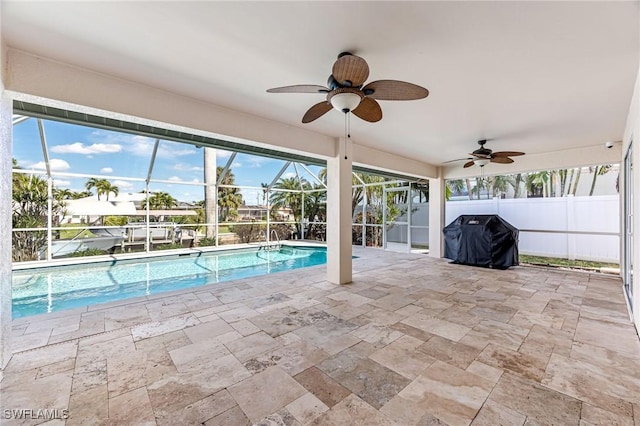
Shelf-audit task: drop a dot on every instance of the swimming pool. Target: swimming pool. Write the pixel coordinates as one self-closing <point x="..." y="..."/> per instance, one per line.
<point x="42" y="290"/>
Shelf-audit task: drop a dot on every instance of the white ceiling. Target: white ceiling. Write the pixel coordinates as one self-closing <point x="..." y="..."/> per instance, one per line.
<point x="532" y="76"/>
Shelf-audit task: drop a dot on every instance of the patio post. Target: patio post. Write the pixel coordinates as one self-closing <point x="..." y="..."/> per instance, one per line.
<point x="339" y="181"/>
<point x="6" y="129"/>
<point x="436" y="215"/>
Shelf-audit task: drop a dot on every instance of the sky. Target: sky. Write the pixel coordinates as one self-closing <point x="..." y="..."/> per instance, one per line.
<point x="116" y="156"/>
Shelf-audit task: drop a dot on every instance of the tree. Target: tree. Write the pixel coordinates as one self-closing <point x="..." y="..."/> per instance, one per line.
<point x="456" y="186"/>
<point x="162" y="201"/>
<point x="30" y="204"/>
<point x="228" y="198"/>
<point x="598" y="171"/>
<point x="265" y="190"/>
<point x="290" y="197"/>
<point x="102" y="186"/>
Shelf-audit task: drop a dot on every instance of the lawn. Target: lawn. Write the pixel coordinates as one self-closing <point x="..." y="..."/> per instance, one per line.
<point x="567" y="263"/>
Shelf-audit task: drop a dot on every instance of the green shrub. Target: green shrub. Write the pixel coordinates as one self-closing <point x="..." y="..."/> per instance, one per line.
<point x="88" y="252"/>
<point x="115" y="220"/>
<point x="207" y="242"/>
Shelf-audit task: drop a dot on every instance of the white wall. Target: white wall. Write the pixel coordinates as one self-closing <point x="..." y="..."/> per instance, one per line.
<point x="573" y="214"/>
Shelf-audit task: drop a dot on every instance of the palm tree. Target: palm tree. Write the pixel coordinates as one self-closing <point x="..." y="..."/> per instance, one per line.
<point x="92" y="183"/>
<point x="289" y="198"/>
<point x="103" y="186"/>
<point x="228" y="198"/>
<point x="456" y="186"/>
<point x="162" y="201"/>
<point x="500" y="184"/>
<point x="265" y="190"/>
<point x="598" y="171"/>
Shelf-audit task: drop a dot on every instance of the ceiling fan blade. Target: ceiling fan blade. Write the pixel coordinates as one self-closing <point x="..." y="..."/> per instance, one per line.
<point x="501" y="160"/>
<point x="507" y="154"/>
<point x="369" y="110"/>
<point x="468" y="164"/>
<point x="300" y="88"/>
<point x="457" y="159"/>
<point x="350" y="68"/>
<point x="316" y="111"/>
<point x="394" y="90"/>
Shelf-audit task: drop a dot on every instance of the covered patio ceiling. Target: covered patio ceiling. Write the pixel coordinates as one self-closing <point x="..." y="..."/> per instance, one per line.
<point x="552" y="79"/>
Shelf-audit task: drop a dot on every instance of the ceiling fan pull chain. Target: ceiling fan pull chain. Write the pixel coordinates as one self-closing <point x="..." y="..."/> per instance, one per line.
<point x="347" y="131"/>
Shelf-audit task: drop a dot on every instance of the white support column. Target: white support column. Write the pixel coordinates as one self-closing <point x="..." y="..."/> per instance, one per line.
<point x="339" y="181"/>
<point x="6" y="130"/>
<point x="436" y="216"/>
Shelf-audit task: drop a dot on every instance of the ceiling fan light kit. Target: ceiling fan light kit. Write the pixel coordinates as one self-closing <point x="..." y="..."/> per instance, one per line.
<point x="346" y="99"/>
<point x="347" y="92"/>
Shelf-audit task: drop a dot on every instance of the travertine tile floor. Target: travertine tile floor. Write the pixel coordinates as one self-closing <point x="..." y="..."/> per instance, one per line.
<point x="412" y="341"/>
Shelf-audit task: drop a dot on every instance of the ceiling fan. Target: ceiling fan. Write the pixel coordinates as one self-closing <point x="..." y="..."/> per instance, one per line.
<point x="483" y="156"/>
<point x="346" y="93"/>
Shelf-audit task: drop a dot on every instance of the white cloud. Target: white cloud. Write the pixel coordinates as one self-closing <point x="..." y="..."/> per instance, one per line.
<point x="289" y="175"/>
<point x="55" y="164"/>
<point x="106" y="170"/>
<point x="123" y="184"/>
<point x="223" y="154"/>
<point x="183" y="167"/>
<point x="175" y="179"/>
<point x="236" y="164"/>
<point x="61" y="182"/>
<point x="80" y="148"/>
<point x="196" y="180"/>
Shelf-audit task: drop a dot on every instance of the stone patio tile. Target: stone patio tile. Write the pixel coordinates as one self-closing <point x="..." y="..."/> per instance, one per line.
<point x="322" y="386"/>
<point x="437" y="326"/>
<point x="198" y="412"/>
<point x="56" y="367"/>
<point x="591" y="415"/>
<point x="25" y="342"/>
<point x="292" y="358"/>
<point x="281" y="417"/>
<point x="331" y="334"/>
<point x="483" y="370"/>
<point x="306" y="408"/>
<point x="492" y="414"/>
<point x="233" y="416"/>
<point x="403" y="357"/>
<point x="274" y="382"/>
<point x="156" y="328"/>
<point x="131" y="408"/>
<point x="412" y="331"/>
<point x="601" y="387"/>
<point x="353" y="411"/>
<point x="285" y="320"/>
<point x="175" y="392"/>
<point x="42" y="356"/>
<point x="455" y="353"/>
<point x="373" y="382"/>
<point x="89" y="407"/>
<point x="516" y="362"/>
<point x="349" y="298"/>
<point x="506" y="335"/>
<point x="448" y="393"/>
<point x="393" y="301"/>
<point x="125" y="372"/>
<point x="608" y="334"/>
<point x="540" y="404"/>
<point x="244" y="327"/>
<point x="207" y="330"/>
<point x="238" y="314"/>
<point x="48" y="393"/>
<point x="249" y="347"/>
<point x="376" y="334"/>
<point x="197" y="355"/>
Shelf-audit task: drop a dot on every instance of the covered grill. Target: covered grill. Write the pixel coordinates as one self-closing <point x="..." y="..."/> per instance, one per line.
<point x="481" y="240"/>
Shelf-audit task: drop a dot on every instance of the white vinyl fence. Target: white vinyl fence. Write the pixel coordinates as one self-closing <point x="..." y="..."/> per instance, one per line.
<point x="586" y="228"/>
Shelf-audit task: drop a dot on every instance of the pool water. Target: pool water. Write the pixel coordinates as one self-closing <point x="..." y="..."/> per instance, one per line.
<point x="42" y="290"/>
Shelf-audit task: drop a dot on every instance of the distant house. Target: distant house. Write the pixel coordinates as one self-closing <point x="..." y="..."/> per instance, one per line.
<point x="248" y="212"/>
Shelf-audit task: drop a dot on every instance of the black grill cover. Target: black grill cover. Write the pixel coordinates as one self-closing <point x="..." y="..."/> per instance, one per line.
<point x="481" y="240"/>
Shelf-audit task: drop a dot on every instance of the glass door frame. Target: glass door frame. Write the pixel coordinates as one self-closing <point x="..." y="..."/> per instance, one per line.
<point x="628" y="226"/>
<point x="406" y="223"/>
